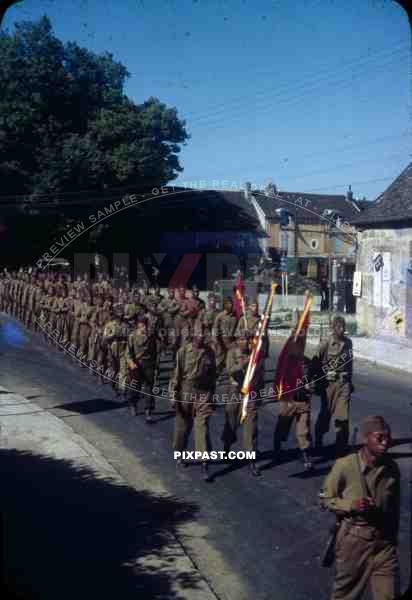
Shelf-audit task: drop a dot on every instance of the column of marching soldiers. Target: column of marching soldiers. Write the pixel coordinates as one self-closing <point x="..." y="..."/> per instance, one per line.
<point x="120" y="333"/>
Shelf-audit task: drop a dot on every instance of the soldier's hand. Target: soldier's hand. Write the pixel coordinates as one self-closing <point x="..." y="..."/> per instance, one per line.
<point x="132" y="365"/>
<point x="363" y="504"/>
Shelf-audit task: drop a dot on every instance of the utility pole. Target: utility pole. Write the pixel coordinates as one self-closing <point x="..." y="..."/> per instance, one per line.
<point x="295" y="251"/>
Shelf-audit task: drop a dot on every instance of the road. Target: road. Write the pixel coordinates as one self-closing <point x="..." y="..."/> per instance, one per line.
<point x="268" y="531"/>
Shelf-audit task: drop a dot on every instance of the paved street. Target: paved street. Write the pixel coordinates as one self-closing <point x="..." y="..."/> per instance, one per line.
<point x="250" y="539"/>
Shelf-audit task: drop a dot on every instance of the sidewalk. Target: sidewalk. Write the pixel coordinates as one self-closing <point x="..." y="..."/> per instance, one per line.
<point x="73" y="528"/>
<point x="379" y="350"/>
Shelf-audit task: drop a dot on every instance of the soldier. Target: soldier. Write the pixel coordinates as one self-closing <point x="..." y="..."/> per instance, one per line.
<point x="363" y="490"/>
<point x="196" y="295"/>
<point x="49" y="313"/>
<point x="24" y="297"/>
<point x="335" y="357"/>
<point x="118" y="354"/>
<point x="209" y="315"/>
<point x="76" y="315"/>
<point x="141" y="361"/>
<point x="296" y="409"/>
<point x="224" y="329"/>
<point x="98" y="320"/>
<point x="86" y="313"/>
<point x="192" y="387"/>
<point x="60" y="311"/>
<point x="249" y="323"/>
<point x="237" y="360"/>
<point x="168" y="309"/>
<point x="130" y="307"/>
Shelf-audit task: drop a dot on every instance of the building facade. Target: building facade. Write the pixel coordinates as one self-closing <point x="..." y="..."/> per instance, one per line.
<point x="384" y="260"/>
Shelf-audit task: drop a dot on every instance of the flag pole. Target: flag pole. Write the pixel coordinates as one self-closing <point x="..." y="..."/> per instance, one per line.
<point x="257" y="344"/>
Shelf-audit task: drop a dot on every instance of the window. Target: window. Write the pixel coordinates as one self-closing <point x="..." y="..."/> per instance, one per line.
<point x="314" y="244"/>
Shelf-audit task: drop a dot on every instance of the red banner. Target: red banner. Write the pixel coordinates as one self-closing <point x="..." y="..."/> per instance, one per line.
<point x="289" y="371"/>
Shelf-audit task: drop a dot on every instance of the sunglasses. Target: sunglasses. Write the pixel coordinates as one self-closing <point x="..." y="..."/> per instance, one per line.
<point x="380" y="437"/>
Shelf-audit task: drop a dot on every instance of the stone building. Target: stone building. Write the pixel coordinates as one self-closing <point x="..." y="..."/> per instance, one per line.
<point x="384" y="260"/>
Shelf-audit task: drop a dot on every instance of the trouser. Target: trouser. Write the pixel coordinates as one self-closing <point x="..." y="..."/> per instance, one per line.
<point x="221" y="354"/>
<point x="193" y="408"/>
<point x="233" y="408"/>
<point x="142" y="388"/>
<point x="298" y="412"/>
<point x="335" y="401"/>
<point x="360" y="561"/>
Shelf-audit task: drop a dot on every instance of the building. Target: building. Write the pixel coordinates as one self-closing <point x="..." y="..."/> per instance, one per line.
<point x="314" y="231"/>
<point x="221" y="228"/>
<point x="384" y="260"/>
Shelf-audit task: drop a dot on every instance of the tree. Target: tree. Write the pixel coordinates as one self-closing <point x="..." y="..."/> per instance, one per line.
<point x="66" y="124"/>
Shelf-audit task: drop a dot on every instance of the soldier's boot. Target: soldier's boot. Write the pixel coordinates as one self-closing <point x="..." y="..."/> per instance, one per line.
<point x="148" y="415"/>
<point x="205" y="472"/>
<point x="254" y="469"/>
<point x="181" y="464"/>
<point x="307" y="461"/>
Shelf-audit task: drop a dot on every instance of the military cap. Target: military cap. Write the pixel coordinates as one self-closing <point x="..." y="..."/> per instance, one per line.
<point x="374" y="424"/>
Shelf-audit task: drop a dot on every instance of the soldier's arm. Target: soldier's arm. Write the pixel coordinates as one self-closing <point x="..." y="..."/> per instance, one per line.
<point x="332" y="489"/>
<point x="349" y="359"/>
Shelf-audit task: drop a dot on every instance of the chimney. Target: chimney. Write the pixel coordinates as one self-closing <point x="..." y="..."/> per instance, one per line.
<point x="270" y="189"/>
<point x="349" y="194"/>
<point x="248" y="190"/>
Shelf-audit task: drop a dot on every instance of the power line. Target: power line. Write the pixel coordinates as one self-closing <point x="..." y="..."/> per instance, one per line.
<point x="270" y="105"/>
<point x="288" y="88"/>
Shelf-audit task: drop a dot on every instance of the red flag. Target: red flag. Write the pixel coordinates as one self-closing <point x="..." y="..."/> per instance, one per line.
<point x="289" y="371"/>
<point x="238" y="301"/>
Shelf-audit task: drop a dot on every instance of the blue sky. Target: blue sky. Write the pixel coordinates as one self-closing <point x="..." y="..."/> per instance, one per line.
<point x="313" y="94"/>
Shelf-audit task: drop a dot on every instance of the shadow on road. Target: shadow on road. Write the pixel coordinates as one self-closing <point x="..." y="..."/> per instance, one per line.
<point x="68" y="534"/>
<point x="94" y="405"/>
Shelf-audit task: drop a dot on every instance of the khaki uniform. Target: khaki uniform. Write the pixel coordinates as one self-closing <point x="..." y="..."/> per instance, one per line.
<point x="86" y="314"/>
<point x="77" y="311"/>
<point x="185" y="319"/>
<point x="192" y="385"/>
<point x="296" y="409"/>
<point x="142" y="350"/>
<point x="169" y="308"/>
<point x="366" y="545"/>
<point x="117" y="354"/>
<point x="236" y="365"/>
<point x="224" y="330"/>
<point x="335" y="358"/>
<point x="208" y="318"/>
<point x="97" y="348"/>
<point x="249" y="327"/>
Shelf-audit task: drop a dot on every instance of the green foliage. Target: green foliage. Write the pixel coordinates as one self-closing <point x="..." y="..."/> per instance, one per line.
<point x="66" y="124"/>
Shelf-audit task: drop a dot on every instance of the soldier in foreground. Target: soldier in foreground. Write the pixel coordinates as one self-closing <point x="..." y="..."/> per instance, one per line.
<point x="363" y="490"/>
<point x="335" y="359"/>
<point x="191" y="388"/>
<point x="237" y="361"/>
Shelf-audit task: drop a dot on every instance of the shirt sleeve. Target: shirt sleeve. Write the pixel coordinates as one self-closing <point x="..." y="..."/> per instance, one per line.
<point x="332" y="489"/>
